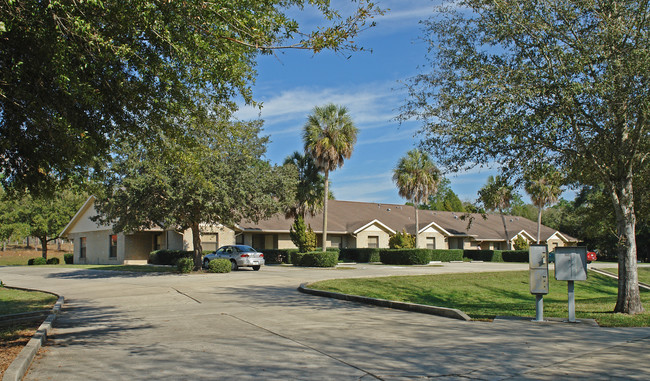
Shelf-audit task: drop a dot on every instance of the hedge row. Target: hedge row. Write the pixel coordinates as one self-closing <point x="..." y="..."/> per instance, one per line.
<point x="497" y="255"/>
<point x="68" y="258"/>
<point x="360" y="255"/>
<point x="315" y="259"/>
<point x="405" y="256"/>
<point x="275" y="256"/>
<point x="168" y="257"/>
<point x="445" y="255"/>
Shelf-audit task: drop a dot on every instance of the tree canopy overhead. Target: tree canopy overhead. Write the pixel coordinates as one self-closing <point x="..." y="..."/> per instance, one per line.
<point x="516" y="82"/>
<point x="77" y="76"/>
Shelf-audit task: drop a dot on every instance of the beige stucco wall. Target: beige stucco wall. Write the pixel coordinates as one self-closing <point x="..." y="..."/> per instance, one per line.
<point x="84" y="224"/>
<point x="97" y="248"/>
<point x="432" y="232"/>
<point x="372" y="230"/>
<point x="284" y="241"/>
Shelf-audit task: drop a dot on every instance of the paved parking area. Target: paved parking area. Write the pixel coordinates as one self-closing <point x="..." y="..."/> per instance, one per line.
<point x="255" y="325"/>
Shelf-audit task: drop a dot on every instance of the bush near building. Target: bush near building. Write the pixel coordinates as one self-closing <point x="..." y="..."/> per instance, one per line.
<point x="329" y="258"/>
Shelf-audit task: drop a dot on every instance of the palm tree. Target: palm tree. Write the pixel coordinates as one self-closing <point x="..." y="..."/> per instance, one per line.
<point x="417" y="177"/>
<point x="496" y="195"/>
<point x="544" y="189"/>
<point x="310" y="188"/>
<point x="329" y="136"/>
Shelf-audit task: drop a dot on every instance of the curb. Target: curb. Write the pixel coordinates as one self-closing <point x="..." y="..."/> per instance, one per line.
<point x="17" y="369"/>
<point x="421" y="308"/>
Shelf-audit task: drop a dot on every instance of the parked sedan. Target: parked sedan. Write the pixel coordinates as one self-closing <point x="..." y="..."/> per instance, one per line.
<point x="238" y="255"/>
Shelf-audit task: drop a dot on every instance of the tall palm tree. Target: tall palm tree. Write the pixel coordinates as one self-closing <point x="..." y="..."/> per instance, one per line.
<point x="544" y="189"/>
<point x="417" y="178"/>
<point x="496" y="195"/>
<point x="310" y="188"/>
<point x="329" y="136"/>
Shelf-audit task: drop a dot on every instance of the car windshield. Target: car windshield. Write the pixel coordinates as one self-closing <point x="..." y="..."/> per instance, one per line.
<point x="245" y="249"/>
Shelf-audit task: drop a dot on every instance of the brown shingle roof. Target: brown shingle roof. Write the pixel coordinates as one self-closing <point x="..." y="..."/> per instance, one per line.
<point x="345" y="217"/>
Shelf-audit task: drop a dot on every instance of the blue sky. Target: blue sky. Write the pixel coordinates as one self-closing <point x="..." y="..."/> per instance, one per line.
<point x="291" y="83"/>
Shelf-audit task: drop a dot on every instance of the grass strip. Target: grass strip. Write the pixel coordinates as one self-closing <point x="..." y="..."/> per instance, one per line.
<point x="486" y="295"/>
<point x="17" y="301"/>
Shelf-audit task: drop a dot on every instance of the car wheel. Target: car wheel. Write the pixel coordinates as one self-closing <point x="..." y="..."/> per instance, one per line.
<point x="233" y="265"/>
<point x="206" y="263"/>
<point x="257" y="268"/>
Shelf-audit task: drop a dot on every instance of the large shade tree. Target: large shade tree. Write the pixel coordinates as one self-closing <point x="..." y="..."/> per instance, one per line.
<point x="417" y="177"/>
<point x="329" y="136"/>
<point x="215" y="175"/>
<point x="515" y="80"/>
<point x="78" y="76"/>
<point x="544" y="188"/>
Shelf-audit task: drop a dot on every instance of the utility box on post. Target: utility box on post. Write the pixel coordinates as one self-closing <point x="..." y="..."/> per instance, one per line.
<point x="571" y="263"/>
<point x="538" y="264"/>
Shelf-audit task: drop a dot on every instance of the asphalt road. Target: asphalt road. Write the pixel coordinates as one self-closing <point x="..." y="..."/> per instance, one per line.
<point x="255" y="325"/>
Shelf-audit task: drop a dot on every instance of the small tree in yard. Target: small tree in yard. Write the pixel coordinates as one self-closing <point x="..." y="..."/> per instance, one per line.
<point x="520" y="243"/>
<point x="401" y="240"/>
<point x="302" y="236"/>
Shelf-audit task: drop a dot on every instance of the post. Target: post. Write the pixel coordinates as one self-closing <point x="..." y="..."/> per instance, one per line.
<point x="572" y="303"/>
<point x="539" y="308"/>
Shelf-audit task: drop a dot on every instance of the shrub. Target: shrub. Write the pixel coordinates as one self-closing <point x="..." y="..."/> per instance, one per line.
<point x="219" y="265"/>
<point x="361" y="255"/>
<point x="515" y="256"/>
<point x="275" y="256"/>
<point x="296" y="258"/>
<point x="168" y="257"/>
<point x="53" y="261"/>
<point x="402" y="240"/>
<point x="484" y="255"/>
<point x="36" y="261"/>
<point x="520" y="243"/>
<point x="405" y="256"/>
<point x="444" y="255"/>
<point x="185" y="265"/>
<point x="68" y="258"/>
<point x="301" y="236"/>
<point x="316" y="259"/>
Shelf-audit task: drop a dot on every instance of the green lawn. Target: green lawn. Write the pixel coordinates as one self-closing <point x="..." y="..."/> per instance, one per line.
<point x="16" y="301"/>
<point x="644" y="273"/>
<point x="486" y="295"/>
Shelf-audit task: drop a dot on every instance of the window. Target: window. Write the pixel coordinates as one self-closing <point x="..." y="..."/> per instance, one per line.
<point x="373" y="242"/>
<point x="112" y="253"/>
<point x="239" y="239"/>
<point x="431" y="242"/>
<point x="82" y="247"/>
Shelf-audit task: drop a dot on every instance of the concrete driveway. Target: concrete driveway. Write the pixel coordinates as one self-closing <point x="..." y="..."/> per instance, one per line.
<point x="255" y="325"/>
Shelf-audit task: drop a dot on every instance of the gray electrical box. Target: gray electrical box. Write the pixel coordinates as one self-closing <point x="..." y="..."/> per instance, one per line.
<point x="538" y="263"/>
<point x="571" y="263"/>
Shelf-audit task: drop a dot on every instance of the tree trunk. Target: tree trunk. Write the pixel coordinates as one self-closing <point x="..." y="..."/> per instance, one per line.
<point x="417" y="227"/>
<point x="629" y="300"/>
<point x="327" y="176"/>
<point x="196" y="243"/>
<point x="505" y="228"/>
<point x="539" y="224"/>
<point x="43" y="246"/>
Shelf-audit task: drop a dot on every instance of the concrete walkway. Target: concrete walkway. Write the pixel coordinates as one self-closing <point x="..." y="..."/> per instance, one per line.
<point x="255" y="325"/>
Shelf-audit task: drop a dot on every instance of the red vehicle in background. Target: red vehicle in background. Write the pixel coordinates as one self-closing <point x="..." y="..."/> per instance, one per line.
<point x="591" y="256"/>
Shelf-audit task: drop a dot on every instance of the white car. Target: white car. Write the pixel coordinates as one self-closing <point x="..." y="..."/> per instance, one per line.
<point x="238" y="255"/>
